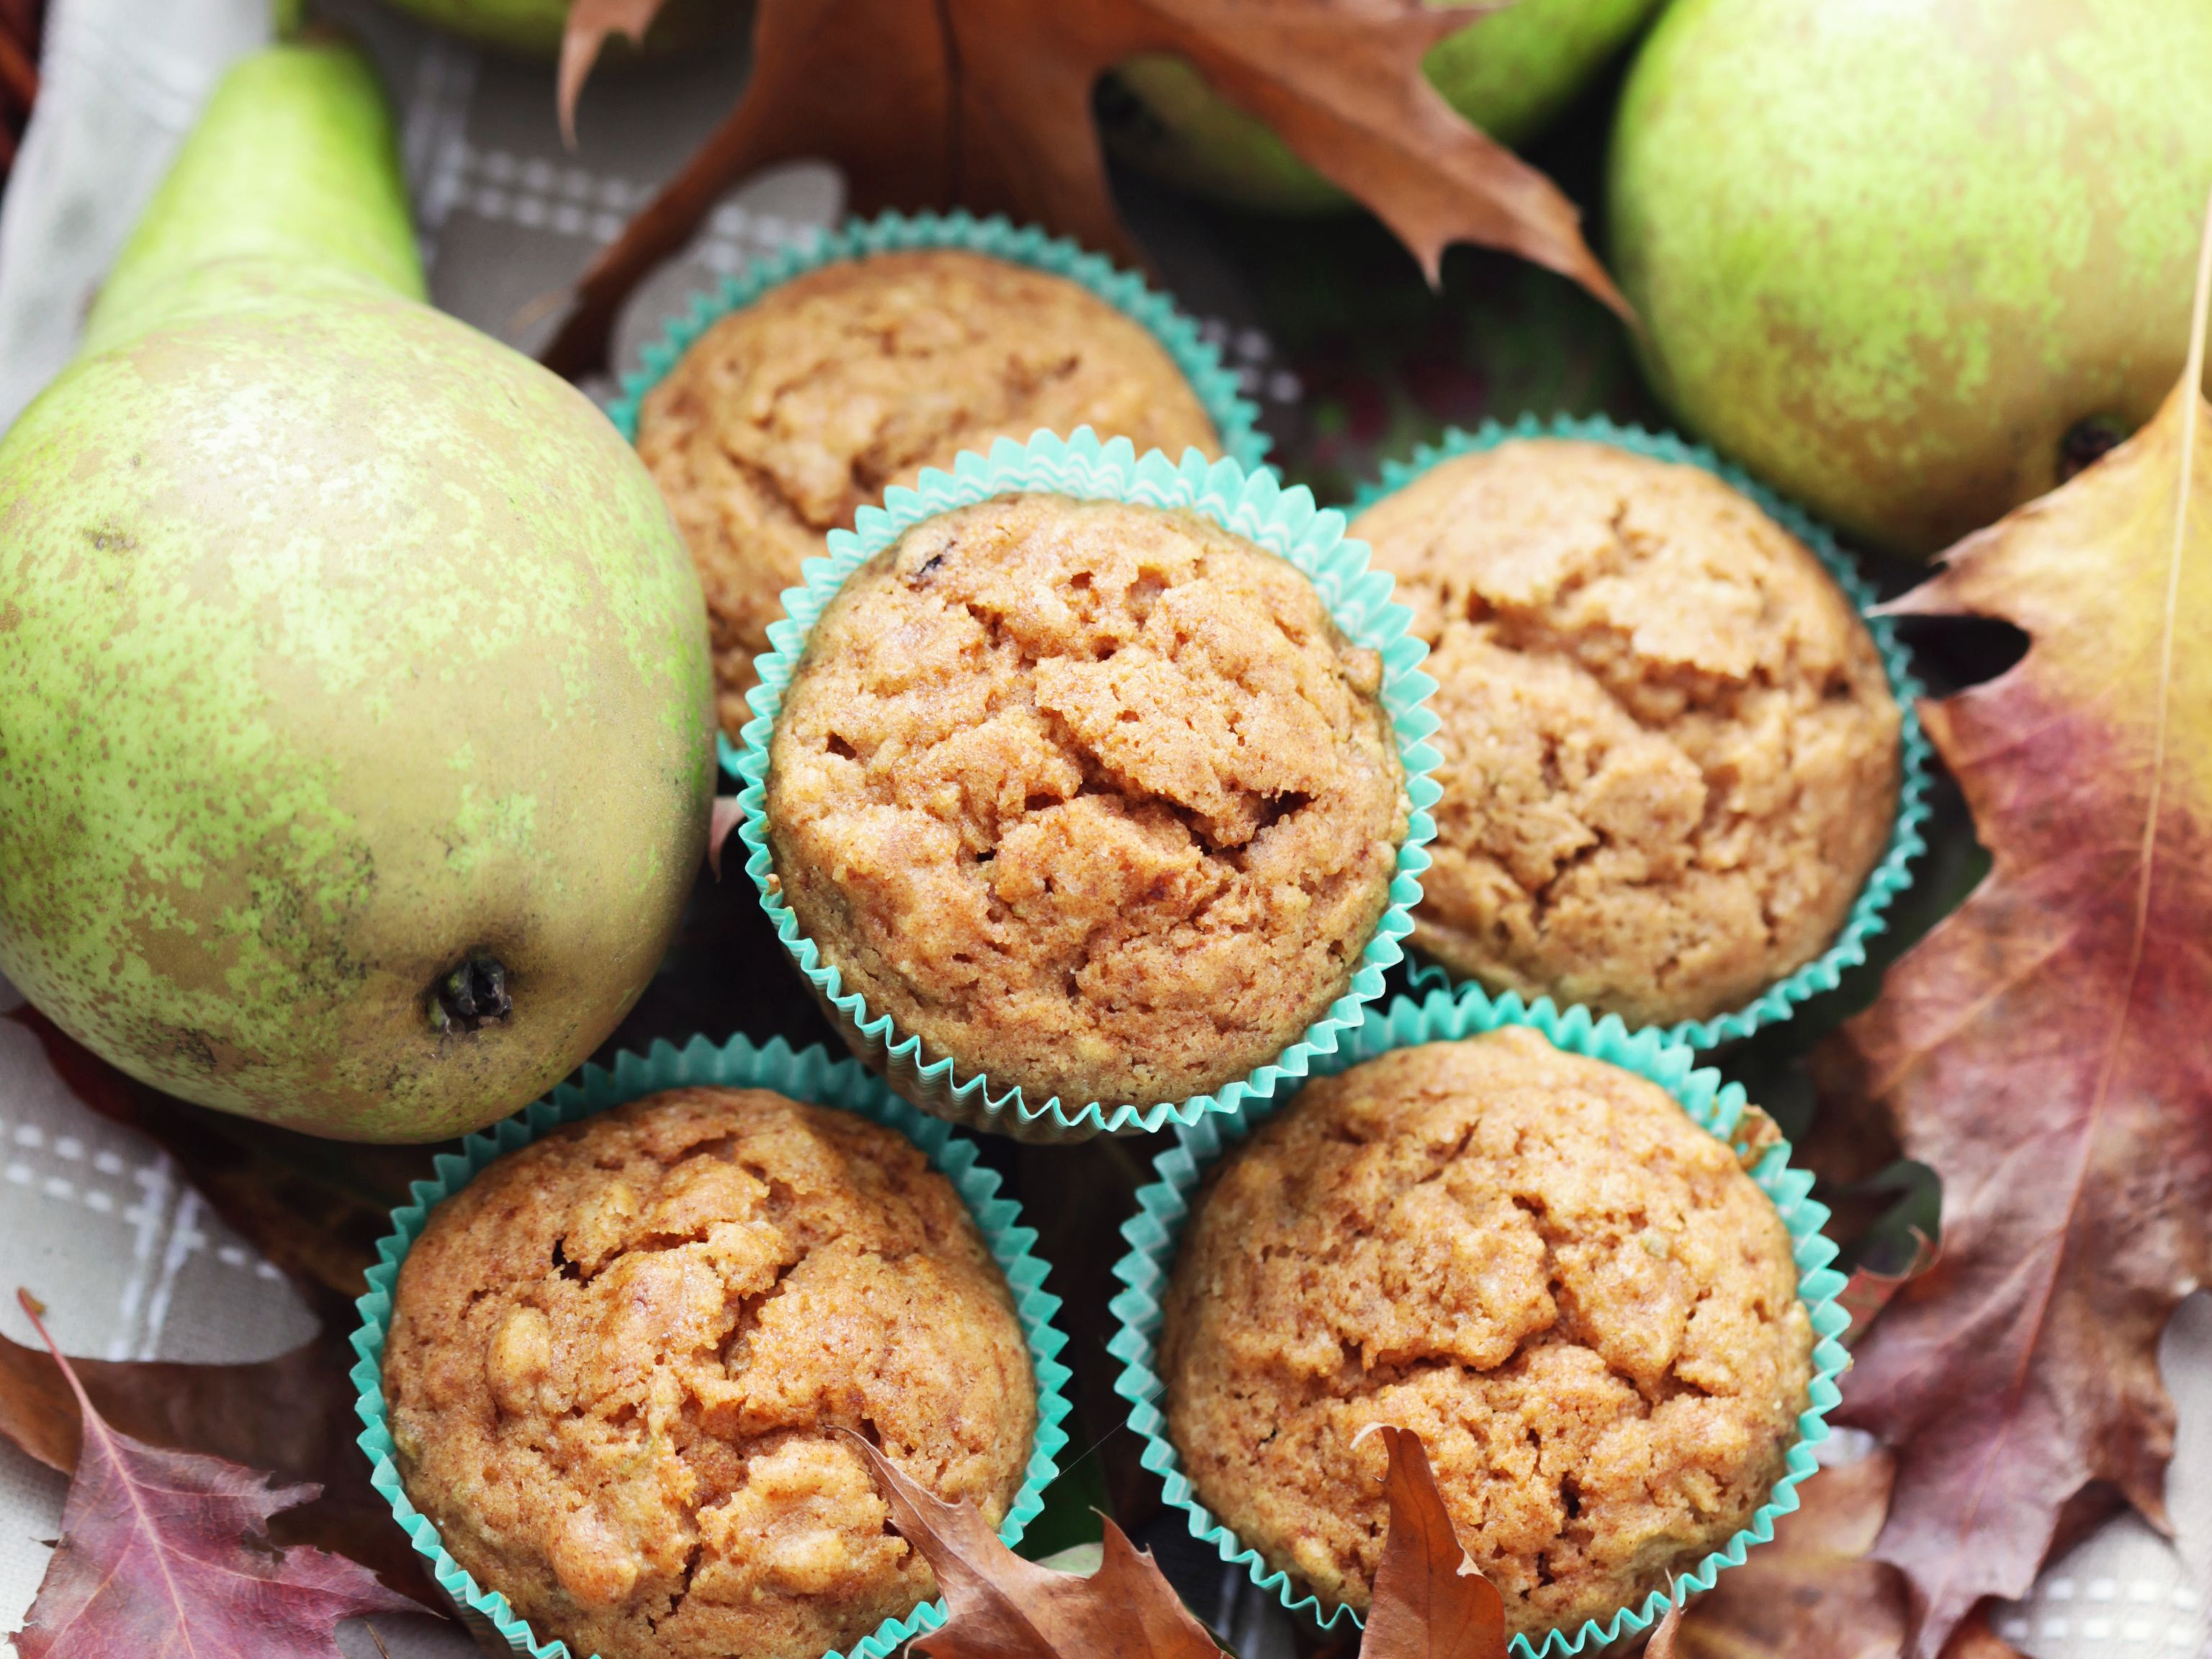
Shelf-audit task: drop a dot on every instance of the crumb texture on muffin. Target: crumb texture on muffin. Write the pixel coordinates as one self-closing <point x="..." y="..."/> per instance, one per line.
<point x="1670" y="755"/>
<point x="1536" y="1261"/>
<point x="619" y="1358"/>
<point x="787" y="417"/>
<point x="1090" y="796"/>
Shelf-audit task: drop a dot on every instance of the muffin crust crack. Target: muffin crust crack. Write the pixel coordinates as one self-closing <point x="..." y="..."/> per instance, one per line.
<point x="1577" y="1298"/>
<point x="1670" y="755"/>
<point x="634" y="1434"/>
<point x="1090" y="796"/>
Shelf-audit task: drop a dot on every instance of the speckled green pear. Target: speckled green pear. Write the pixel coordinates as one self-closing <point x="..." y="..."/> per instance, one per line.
<point x="1890" y="253"/>
<point x="1511" y="73"/>
<point x="355" y="722"/>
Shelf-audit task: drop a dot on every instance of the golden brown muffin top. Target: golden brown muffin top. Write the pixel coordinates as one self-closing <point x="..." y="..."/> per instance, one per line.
<point x="1538" y="1262"/>
<point x="1670" y="755"/>
<point x="620" y="1357"/>
<point x="785" y="417"/>
<point x="1091" y="796"/>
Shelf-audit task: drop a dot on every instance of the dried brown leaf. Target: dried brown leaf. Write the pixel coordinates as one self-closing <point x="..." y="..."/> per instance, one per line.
<point x="2043" y="1049"/>
<point x="1430" y="1602"/>
<point x="589" y="23"/>
<point x="1000" y="1607"/>
<point x="986" y="104"/>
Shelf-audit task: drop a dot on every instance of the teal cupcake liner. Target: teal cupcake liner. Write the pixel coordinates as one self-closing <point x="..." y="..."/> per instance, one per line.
<point x="1164" y="1206"/>
<point x="1254" y="505"/>
<point x="807" y="1074"/>
<point x="1892" y="874"/>
<point x="1235" y="417"/>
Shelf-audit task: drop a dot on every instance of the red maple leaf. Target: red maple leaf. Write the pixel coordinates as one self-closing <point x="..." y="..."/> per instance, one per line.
<point x="164" y="1555"/>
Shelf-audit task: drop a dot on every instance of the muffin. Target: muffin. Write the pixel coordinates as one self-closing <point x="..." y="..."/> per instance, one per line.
<point x="1091" y="796"/>
<point x="1670" y="755"/>
<point x="620" y="1360"/>
<point x="1538" y="1262"/>
<point x="788" y="417"/>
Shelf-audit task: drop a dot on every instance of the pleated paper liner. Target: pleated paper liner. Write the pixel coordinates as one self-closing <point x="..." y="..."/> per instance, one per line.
<point x="807" y="1074"/>
<point x="1164" y="1206"/>
<point x="1892" y="874"/>
<point x="1254" y="506"/>
<point x="1236" y="418"/>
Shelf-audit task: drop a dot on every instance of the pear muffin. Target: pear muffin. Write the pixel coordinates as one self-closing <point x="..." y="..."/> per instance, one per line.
<point x="1538" y="1262"/>
<point x="789" y="415"/>
<point x="622" y="1359"/>
<point x="1089" y="795"/>
<point x="1670" y="753"/>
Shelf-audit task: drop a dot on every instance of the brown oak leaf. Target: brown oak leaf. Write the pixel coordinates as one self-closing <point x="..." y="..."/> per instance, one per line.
<point x="1000" y="1607"/>
<point x="2043" y="1049"/>
<point x="1664" y="1636"/>
<point x="1430" y="1602"/>
<point x="167" y="1553"/>
<point x="986" y="104"/>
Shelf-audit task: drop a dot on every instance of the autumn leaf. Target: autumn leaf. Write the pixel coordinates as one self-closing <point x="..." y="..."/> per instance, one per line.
<point x="1811" y="1594"/>
<point x="1429" y="1602"/>
<point x="165" y="1554"/>
<point x="1869" y="1289"/>
<point x="589" y="23"/>
<point x="986" y="104"/>
<point x="2043" y="1049"/>
<point x="1001" y="1607"/>
<point x="292" y="1415"/>
<point x="1661" y="1644"/>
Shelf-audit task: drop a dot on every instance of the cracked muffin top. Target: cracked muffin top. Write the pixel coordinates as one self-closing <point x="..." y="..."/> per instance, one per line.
<point x="621" y="1357"/>
<point x="1670" y="754"/>
<point x="1537" y="1262"/>
<point x="788" y="417"/>
<point x="1090" y="796"/>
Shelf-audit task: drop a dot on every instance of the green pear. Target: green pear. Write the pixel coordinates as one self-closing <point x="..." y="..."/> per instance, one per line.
<point x="354" y="713"/>
<point x="1911" y="260"/>
<point x="1511" y="73"/>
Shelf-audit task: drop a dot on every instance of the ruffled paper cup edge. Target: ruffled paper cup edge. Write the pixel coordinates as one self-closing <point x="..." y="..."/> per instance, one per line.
<point x="809" y="1074"/>
<point x="1235" y="417"/>
<point x="1254" y="505"/>
<point x="1164" y="1205"/>
<point x="1892" y="874"/>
